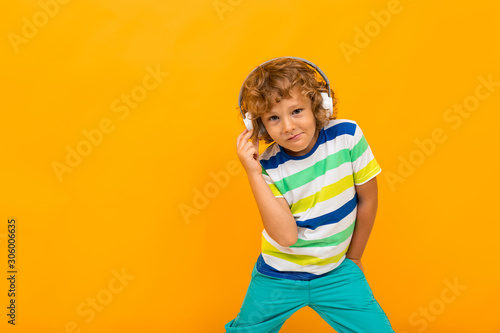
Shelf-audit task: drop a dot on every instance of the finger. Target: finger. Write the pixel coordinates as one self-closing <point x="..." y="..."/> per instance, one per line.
<point x="248" y="148"/>
<point x="240" y="138"/>
<point x="246" y="136"/>
<point x="241" y="134"/>
<point x="248" y="153"/>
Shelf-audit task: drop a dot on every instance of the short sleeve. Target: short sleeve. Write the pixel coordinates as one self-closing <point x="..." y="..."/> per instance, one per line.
<point x="271" y="184"/>
<point x="364" y="164"/>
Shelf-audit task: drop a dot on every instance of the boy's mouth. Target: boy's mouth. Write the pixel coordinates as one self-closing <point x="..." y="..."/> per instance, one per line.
<point x="295" y="137"/>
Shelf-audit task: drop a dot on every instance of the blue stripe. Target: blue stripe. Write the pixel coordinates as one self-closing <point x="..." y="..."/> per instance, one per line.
<point x="265" y="269"/>
<point x="340" y="129"/>
<point x="274" y="161"/>
<point x="332" y="217"/>
<point x="325" y="135"/>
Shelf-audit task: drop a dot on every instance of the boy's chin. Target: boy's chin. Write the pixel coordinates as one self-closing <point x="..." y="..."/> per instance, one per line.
<point x="292" y="152"/>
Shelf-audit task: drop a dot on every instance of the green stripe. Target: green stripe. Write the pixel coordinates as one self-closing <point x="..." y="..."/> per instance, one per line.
<point x="359" y="149"/>
<point x="328" y="241"/>
<point x="325" y="193"/>
<point x="314" y="171"/>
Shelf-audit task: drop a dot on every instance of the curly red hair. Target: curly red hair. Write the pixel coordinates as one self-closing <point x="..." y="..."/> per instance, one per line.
<point x="273" y="81"/>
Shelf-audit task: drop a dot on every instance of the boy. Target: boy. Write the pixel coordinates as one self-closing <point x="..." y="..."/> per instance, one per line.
<point x="316" y="191"/>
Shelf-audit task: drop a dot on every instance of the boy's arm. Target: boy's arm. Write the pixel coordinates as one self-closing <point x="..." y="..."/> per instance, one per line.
<point x="365" y="218"/>
<point x="275" y="212"/>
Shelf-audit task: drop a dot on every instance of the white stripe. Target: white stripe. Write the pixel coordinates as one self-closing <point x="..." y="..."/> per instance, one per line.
<point x="339" y="121"/>
<point x="363" y="159"/>
<point x="319" y="252"/>
<point x="327" y="206"/>
<point x="358" y="134"/>
<point x="285" y="265"/>
<point x="327" y="230"/>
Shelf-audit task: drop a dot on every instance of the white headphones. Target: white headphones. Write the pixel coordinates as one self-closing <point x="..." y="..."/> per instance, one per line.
<point x="327" y="99"/>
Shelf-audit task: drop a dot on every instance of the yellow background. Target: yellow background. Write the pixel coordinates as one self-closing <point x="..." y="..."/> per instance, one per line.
<point x="120" y="207"/>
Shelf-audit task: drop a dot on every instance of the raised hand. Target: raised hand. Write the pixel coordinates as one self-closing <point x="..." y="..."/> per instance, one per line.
<point x="248" y="153"/>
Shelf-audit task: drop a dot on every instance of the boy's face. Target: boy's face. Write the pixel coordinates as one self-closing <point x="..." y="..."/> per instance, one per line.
<point x="291" y="123"/>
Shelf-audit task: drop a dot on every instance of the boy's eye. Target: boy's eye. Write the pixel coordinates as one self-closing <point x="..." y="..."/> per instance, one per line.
<point x="297" y="111"/>
<point x="273" y="118"/>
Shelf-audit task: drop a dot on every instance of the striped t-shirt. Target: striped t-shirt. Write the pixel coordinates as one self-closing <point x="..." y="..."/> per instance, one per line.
<point x="319" y="188"/>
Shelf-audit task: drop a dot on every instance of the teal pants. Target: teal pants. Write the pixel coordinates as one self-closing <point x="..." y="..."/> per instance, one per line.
<point x="342" y="298"/>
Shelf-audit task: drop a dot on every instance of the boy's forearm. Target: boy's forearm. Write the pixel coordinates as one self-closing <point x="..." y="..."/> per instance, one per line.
<point x="365" y="218"/>
<point x="277" y="219"/>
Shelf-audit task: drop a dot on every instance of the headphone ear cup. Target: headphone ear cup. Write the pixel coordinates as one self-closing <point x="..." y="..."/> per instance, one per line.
<point x="248" y="121"/>
<point x="327" y="104"/>
<point x="248" y="124"/>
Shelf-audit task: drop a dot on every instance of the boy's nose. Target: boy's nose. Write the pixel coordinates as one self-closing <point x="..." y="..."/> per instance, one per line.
<point x="288" y="125"/>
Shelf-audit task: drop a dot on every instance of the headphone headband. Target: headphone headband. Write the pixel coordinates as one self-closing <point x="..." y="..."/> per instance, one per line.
<point x="303" y="60"/>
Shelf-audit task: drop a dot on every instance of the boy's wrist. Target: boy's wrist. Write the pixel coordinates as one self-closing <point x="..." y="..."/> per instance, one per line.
<point x="254" y="175"/>
<point x="353" y="258"/>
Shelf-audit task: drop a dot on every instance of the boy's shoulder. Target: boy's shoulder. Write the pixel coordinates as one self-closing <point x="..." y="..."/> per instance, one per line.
<point x="341" y="126"/>
<point x="341" y="122"/>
